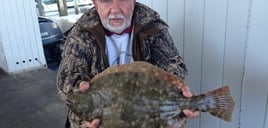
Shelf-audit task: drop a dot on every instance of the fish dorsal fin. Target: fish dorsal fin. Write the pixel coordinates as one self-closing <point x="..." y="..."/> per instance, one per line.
<point x="145" y="68"/>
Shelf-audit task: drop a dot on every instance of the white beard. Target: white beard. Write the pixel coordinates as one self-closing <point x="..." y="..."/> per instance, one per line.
<point x="119" y="29"/>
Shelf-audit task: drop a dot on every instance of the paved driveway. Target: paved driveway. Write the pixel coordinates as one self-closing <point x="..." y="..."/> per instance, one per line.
<point x="30" y="100"/>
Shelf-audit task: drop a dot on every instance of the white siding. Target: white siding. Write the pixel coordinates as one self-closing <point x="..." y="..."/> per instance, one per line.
<point x="254" y="104"/>
<point x="223" y="42"/>
<point x="176" y="23"/>
<point x="3" y="61"/>
<point x="166" y="10"/>
<point x="20" y="36"/>
<point x="213" y="52"/>
<point x="236" y="32"/>
<point x="193" y="44"/>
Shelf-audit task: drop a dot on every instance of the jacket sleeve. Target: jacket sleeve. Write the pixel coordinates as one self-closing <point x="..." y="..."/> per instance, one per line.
<point x="165" y="55"/>
<point x="74" y="67"/>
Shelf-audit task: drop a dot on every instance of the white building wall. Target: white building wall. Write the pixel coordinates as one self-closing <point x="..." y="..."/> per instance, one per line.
<point x="2" y="54"/>
<point x="223" y="42"/>
<point x="255" y="88"/>
<point x="21" y="46"/>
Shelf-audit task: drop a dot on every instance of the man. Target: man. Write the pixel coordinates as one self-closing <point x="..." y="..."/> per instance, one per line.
<point x="115" y="32"/>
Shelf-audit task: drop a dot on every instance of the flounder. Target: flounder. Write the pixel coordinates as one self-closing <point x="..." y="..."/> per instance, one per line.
<point x="141" y="95"/>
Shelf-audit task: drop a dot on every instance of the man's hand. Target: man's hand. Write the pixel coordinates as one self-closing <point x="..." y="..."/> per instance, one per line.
<point x="84" y="86"/>
<point x="187" y="93"/>
<point x="93" y="124"/>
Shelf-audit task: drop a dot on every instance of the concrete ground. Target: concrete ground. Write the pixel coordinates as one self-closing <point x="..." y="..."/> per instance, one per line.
<point x="30" y="100"/>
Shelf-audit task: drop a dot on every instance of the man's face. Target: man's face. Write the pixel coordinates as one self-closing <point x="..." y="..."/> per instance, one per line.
<point x="115" y="14"/>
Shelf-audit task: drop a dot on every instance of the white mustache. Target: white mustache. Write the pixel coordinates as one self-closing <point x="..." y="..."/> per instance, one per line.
<point x="116" y="16"/>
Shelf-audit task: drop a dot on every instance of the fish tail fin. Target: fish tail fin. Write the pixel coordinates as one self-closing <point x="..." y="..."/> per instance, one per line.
<point x="220" y="103"/>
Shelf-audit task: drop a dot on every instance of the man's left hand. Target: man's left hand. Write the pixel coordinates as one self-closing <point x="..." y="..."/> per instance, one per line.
<point x="187" y="93"/>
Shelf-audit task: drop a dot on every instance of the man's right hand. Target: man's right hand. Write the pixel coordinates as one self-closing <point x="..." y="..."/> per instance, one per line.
<point x="93" y="124"/>
<point x="84" y="86"/>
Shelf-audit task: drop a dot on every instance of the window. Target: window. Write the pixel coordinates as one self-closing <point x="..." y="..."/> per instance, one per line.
<point x="49" y="8"/>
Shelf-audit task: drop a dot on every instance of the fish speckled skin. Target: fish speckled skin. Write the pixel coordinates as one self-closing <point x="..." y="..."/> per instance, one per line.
<point x="140" y="95"/>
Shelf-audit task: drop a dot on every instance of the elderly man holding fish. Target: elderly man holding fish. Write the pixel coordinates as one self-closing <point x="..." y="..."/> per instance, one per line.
<point x="112" y="33"/>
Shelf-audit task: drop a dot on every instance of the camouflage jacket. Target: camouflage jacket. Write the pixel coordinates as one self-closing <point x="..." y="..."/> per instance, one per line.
<point x="84" y="51"/>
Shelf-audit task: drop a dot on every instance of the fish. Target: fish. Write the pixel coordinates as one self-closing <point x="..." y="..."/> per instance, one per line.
<point x="142" y="95"/>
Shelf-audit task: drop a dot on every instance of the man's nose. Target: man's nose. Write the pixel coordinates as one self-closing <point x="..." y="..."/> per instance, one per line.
<point x="115" y="7"/>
